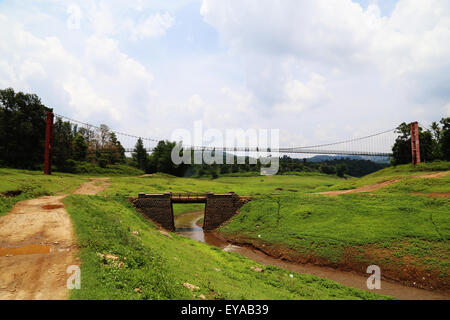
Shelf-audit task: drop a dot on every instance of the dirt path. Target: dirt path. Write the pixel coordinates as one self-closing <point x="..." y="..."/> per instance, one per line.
<point x="37" y="245"/>
<point x="376" y="186"/>
<point x="434" y="175"/>
<point x="367" y="188"/>
<point x="433" y="194"/>
<point x="93" y="187"/>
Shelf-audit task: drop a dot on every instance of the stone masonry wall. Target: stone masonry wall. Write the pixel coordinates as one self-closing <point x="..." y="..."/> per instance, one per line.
<point x="157" y="207"/>
<point x="220" y="208"/>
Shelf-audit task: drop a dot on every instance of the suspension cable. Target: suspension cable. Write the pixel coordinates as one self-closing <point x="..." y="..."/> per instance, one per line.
<point x="284" y="149"/>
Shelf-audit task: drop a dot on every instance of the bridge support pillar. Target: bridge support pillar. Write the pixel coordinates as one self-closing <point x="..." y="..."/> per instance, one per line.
<point x="157" y="207"/>
<point x="415" y="143"/>
<point x="220" y="208"/>
<point x="48" y="144"/>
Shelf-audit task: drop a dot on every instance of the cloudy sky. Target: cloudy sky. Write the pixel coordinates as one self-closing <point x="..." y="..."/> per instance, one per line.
<point x="318" y="70"/>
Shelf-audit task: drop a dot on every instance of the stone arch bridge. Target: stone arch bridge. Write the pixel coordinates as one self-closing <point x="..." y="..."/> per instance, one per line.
<point x="219" y="207"/>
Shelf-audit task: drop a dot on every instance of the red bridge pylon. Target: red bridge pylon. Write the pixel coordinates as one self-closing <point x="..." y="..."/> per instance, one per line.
<point x="415" y="143"/>
<point x="48" y="144"/>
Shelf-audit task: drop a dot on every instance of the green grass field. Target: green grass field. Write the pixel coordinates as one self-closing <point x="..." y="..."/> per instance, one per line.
<point x="390" y="173"/>
<point x="251" y="186"/>
<point x="156" y="267"/>
<point x="393" y="227"/>
<point x="150" y="265"/>
<point x="91" y="169"/>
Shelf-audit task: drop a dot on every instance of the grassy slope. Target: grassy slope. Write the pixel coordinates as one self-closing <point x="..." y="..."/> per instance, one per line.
<point x="91" y="169"/>
<point x="155" y="266"/>
<point x="389" y="174"/>
<point x="410" y="227"/>
<point x="180" y="208"/>
<point x="253" y="186"/>
<point x="33" y="184"/>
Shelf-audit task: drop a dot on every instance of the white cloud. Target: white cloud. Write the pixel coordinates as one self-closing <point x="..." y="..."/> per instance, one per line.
<point x="101" y="80"/>
<point x="102" y="18"/>
<point x="75" y="16"/>
<point x="296" y="65"/>
<point x="227" y="108"/>
<point x="374" y="70"/>
<point x="112" y="18"/>
<point x="415" y="40"/>
<point x="195" y="104"/>
<point x="155" y="25"/>
<point x="447" y="109"/>
<point x="299" y="96"/>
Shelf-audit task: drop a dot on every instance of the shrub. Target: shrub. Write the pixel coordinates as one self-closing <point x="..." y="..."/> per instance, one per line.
<point x="103" y="163"/>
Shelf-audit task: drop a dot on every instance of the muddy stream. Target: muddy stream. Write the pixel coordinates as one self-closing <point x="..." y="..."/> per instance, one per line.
<point x="187" y="225"/>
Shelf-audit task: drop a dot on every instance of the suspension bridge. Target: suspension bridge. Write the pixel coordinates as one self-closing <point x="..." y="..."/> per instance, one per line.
<point x="375" y="145"/>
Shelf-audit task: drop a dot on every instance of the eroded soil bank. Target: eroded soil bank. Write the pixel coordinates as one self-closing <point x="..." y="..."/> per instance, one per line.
<point x="187" y="225"/>
<point x="409" y="275"/>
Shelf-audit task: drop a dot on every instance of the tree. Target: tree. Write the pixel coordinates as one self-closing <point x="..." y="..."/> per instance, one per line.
<point x="22" y="129"/>
<point x="341" y="170"/>
<point x="140" y="155"/>
<point x="224" y="169"/>
<point x="401" y="151"/>
<point x="22" y="136"/>
<point x="437" y="137"/>
<point x="87" y="133"/>
<point x="161" y="160"/>
<point x="327" y="169"/>
<point x="79" y="148"/>
<point x="445" y="139"/>
<point x="429" y="147"/>
<point x="62" y="144"/>
<point x="104" y="135"/>
<point x="113" y="149"/>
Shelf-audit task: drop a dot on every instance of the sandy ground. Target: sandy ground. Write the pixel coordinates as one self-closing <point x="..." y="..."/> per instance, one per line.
<point x="147" y="175"/>
<point x="434" y="175"/>
<point x="93" y="187"/>
<point x="376" y="186"/>
<point x="37" y="245"/>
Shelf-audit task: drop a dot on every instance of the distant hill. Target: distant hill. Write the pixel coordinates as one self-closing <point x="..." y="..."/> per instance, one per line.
<point x="323" y="158"/>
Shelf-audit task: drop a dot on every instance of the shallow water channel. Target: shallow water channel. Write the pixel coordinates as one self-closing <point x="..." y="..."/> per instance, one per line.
<point x="187" y="225"/>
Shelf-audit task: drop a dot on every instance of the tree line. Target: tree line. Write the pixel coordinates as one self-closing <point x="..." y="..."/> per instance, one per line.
<point x="434" y="143"/>
<point x="22" y="137"/>
<point x="160" y="161"/>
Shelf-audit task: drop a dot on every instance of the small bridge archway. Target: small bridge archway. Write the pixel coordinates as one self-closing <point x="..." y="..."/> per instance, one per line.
<point x="219" y="207"/>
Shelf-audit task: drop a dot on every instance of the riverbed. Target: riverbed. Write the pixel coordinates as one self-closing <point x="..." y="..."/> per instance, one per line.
<point x="188" y="226"/>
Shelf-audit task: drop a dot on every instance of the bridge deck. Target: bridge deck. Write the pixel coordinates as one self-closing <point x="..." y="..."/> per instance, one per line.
<point x="189" y="197"/>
